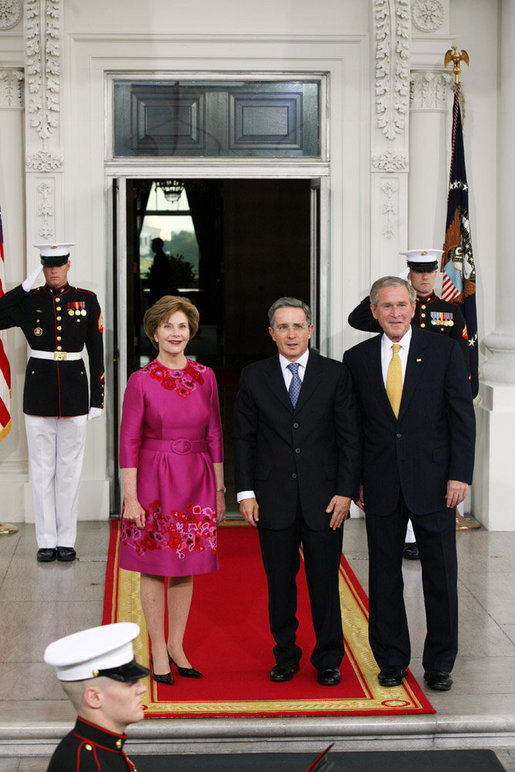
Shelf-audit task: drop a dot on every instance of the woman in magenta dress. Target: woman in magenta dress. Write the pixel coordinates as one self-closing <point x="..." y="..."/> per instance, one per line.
<point x="171" y="455"/>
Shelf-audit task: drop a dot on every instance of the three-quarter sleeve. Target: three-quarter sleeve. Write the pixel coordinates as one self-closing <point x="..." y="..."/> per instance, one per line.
<point x="131" y="428"/>
<point x="214" y="435"/>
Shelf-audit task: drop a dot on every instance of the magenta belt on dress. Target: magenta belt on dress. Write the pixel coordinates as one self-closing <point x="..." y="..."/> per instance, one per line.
<point x="179" y="446"/>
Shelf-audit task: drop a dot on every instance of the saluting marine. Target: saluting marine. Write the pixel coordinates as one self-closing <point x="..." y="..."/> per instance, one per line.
<point x="58" y="321"/>
<point x="431" y="312"/>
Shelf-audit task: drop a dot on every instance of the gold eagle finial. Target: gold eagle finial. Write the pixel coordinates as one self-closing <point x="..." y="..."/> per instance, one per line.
<point x="455" y="56"/>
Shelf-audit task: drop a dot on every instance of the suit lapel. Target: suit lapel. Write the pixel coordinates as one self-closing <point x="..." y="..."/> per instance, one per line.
<point x="414" y="368"/>
<point x="311" y="379"/>
<point x="276" y="383"/>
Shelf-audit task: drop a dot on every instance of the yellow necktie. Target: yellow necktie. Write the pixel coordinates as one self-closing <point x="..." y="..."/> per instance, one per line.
<point x="394" y="380"/>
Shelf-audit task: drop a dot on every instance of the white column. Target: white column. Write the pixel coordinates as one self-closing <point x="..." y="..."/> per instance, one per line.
<point x="13" y="448"/>
<point x="494" y="491"/>
<point x="429" y="101"/>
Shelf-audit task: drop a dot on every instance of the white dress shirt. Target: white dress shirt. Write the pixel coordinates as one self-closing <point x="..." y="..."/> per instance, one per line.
<point x="386" y="353"/>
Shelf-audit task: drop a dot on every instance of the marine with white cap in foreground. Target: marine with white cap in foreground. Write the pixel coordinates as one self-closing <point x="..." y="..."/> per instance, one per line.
<point x="58" y="321"/>
<point x="102" y="679"/>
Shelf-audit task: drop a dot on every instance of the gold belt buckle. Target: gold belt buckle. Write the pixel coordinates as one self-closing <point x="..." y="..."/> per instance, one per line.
<point x="59" y="356"/>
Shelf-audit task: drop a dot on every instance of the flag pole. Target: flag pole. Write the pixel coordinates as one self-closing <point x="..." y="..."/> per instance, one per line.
<point x="456" y="57"/>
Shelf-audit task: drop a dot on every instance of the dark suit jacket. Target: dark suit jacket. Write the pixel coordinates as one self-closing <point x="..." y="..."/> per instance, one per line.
<point x="433" y="439"/>
<point x="307" y="454"/>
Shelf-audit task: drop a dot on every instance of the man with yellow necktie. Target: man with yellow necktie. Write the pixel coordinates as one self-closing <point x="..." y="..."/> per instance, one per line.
<point x="418" y="430"/>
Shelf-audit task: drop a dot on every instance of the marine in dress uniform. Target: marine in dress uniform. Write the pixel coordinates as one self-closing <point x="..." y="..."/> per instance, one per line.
<point x="431" y="313"/>
<point x="101" y="677"/>
<point x="58" y="321"/>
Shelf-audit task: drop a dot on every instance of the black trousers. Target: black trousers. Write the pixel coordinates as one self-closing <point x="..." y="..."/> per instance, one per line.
<point x="281" y="560"/>
<point x="388" y="626"/>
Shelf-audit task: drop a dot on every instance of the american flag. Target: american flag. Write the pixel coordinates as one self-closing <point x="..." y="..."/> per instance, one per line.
<point x="459" y="271"/>
<point x="5" y="370"/>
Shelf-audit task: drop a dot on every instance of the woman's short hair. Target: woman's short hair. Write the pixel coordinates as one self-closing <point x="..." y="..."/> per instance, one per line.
<point x="163" y="309"/>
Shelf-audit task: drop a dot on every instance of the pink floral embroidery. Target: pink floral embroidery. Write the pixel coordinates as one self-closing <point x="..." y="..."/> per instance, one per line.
<point x="193" y="530"/>
<point x="184" y="382"/>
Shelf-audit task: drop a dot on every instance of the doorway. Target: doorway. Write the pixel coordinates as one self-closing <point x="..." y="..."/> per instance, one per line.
<point x="233" y="246"/>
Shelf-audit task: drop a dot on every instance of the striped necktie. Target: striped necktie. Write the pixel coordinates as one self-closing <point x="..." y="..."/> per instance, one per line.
<point x="394" y="380"/>
<point x="295" y="383"/>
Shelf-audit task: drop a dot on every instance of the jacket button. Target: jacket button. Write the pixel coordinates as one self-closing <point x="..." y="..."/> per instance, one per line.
<point x="294" y="476"/>
<point x="297" y="450"/>
<point x="398" y="436"/>
<point x="295" y="426"/>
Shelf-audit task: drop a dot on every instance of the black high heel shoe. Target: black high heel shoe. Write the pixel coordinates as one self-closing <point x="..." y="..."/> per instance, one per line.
<point x="185" y="672"/>
<point x="167" y="678"/>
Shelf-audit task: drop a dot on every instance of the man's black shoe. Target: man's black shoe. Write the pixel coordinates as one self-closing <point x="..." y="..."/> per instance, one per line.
<point x="439" y="680"/>
<point x="391" y="676"/>
<point x="329" y="676"/>
<point x="66" y="554"/>
<point x="283" y="672"/>
<point x="46" y="554"/>
<point x="410" y="551"/>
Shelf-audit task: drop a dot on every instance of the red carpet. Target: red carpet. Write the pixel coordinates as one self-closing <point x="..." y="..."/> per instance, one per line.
<point x="228" y="640"/>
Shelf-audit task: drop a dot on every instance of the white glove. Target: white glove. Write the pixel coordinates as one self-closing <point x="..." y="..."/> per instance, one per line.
<point x="404" y="274"/>
<point x="94" y="412"/>
<point x="29" y="281"/>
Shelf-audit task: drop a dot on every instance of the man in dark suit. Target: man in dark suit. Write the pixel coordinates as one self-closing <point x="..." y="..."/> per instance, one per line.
<point x="418" y="455"/>
<point x="296" y="444"/>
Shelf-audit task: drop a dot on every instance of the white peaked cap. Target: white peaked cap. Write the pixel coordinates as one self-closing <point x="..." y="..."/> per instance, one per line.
<point x="422" y="255"/>
<point x="87" y="653"/>
<point x="54" y="250"/>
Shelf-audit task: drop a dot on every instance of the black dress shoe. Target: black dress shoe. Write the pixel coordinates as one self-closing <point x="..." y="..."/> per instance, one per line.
<point x="283" y="672"/>
<point x="166" y="678"/>
<point x="46" y="554"/>
<point x="185" y="672"/>
<point x="410" y="550"/>
<point x="439" y="680"/>
<point x="329" y="676"/>
<point x="391" y="676"/>
<point x="66" y="554"/>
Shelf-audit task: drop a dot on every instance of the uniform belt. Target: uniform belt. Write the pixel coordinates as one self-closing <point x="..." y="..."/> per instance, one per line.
<point x="57" y="356"/>
<point x="180" y="446"/>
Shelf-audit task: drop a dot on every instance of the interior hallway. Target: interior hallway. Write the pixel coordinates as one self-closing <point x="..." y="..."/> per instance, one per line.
<point x="39" y="603"/>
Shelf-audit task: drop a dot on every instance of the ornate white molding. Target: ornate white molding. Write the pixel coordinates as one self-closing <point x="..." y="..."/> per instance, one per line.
<point x="11" y="88"/>
<point x="392" y="35"/>
<point x="390" y="162"/>
<point x="10" y="13"/>
<point x="43" y="66"/>
<point x="427" y="15"/>
<point x="46" y="209"/>
<point x="44" y="161"/>
<point x="389" y="209"/>
<point x="430" y="90"/>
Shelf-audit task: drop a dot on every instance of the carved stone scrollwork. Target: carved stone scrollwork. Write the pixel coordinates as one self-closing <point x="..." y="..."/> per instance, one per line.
<point x="427" y="15"/>
<point x="11" y="88"/>
<point x="42" y="40"/>
<point x="389" y="209"/>
<point x="44" y="161"/>
<point x="390" y="162"/>
<point x="45" y="209"/>
<point x="10" y="13"/>
<point x="392" y="67"/>
<point x="429" y="90"/>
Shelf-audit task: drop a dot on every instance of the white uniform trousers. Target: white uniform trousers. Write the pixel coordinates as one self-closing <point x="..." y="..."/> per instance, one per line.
<point x="410" y="534"/>
<point x="56" y="452"/>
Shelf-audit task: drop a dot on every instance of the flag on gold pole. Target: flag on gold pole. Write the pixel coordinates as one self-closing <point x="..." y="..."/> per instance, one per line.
<point x="459" y="270"/>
